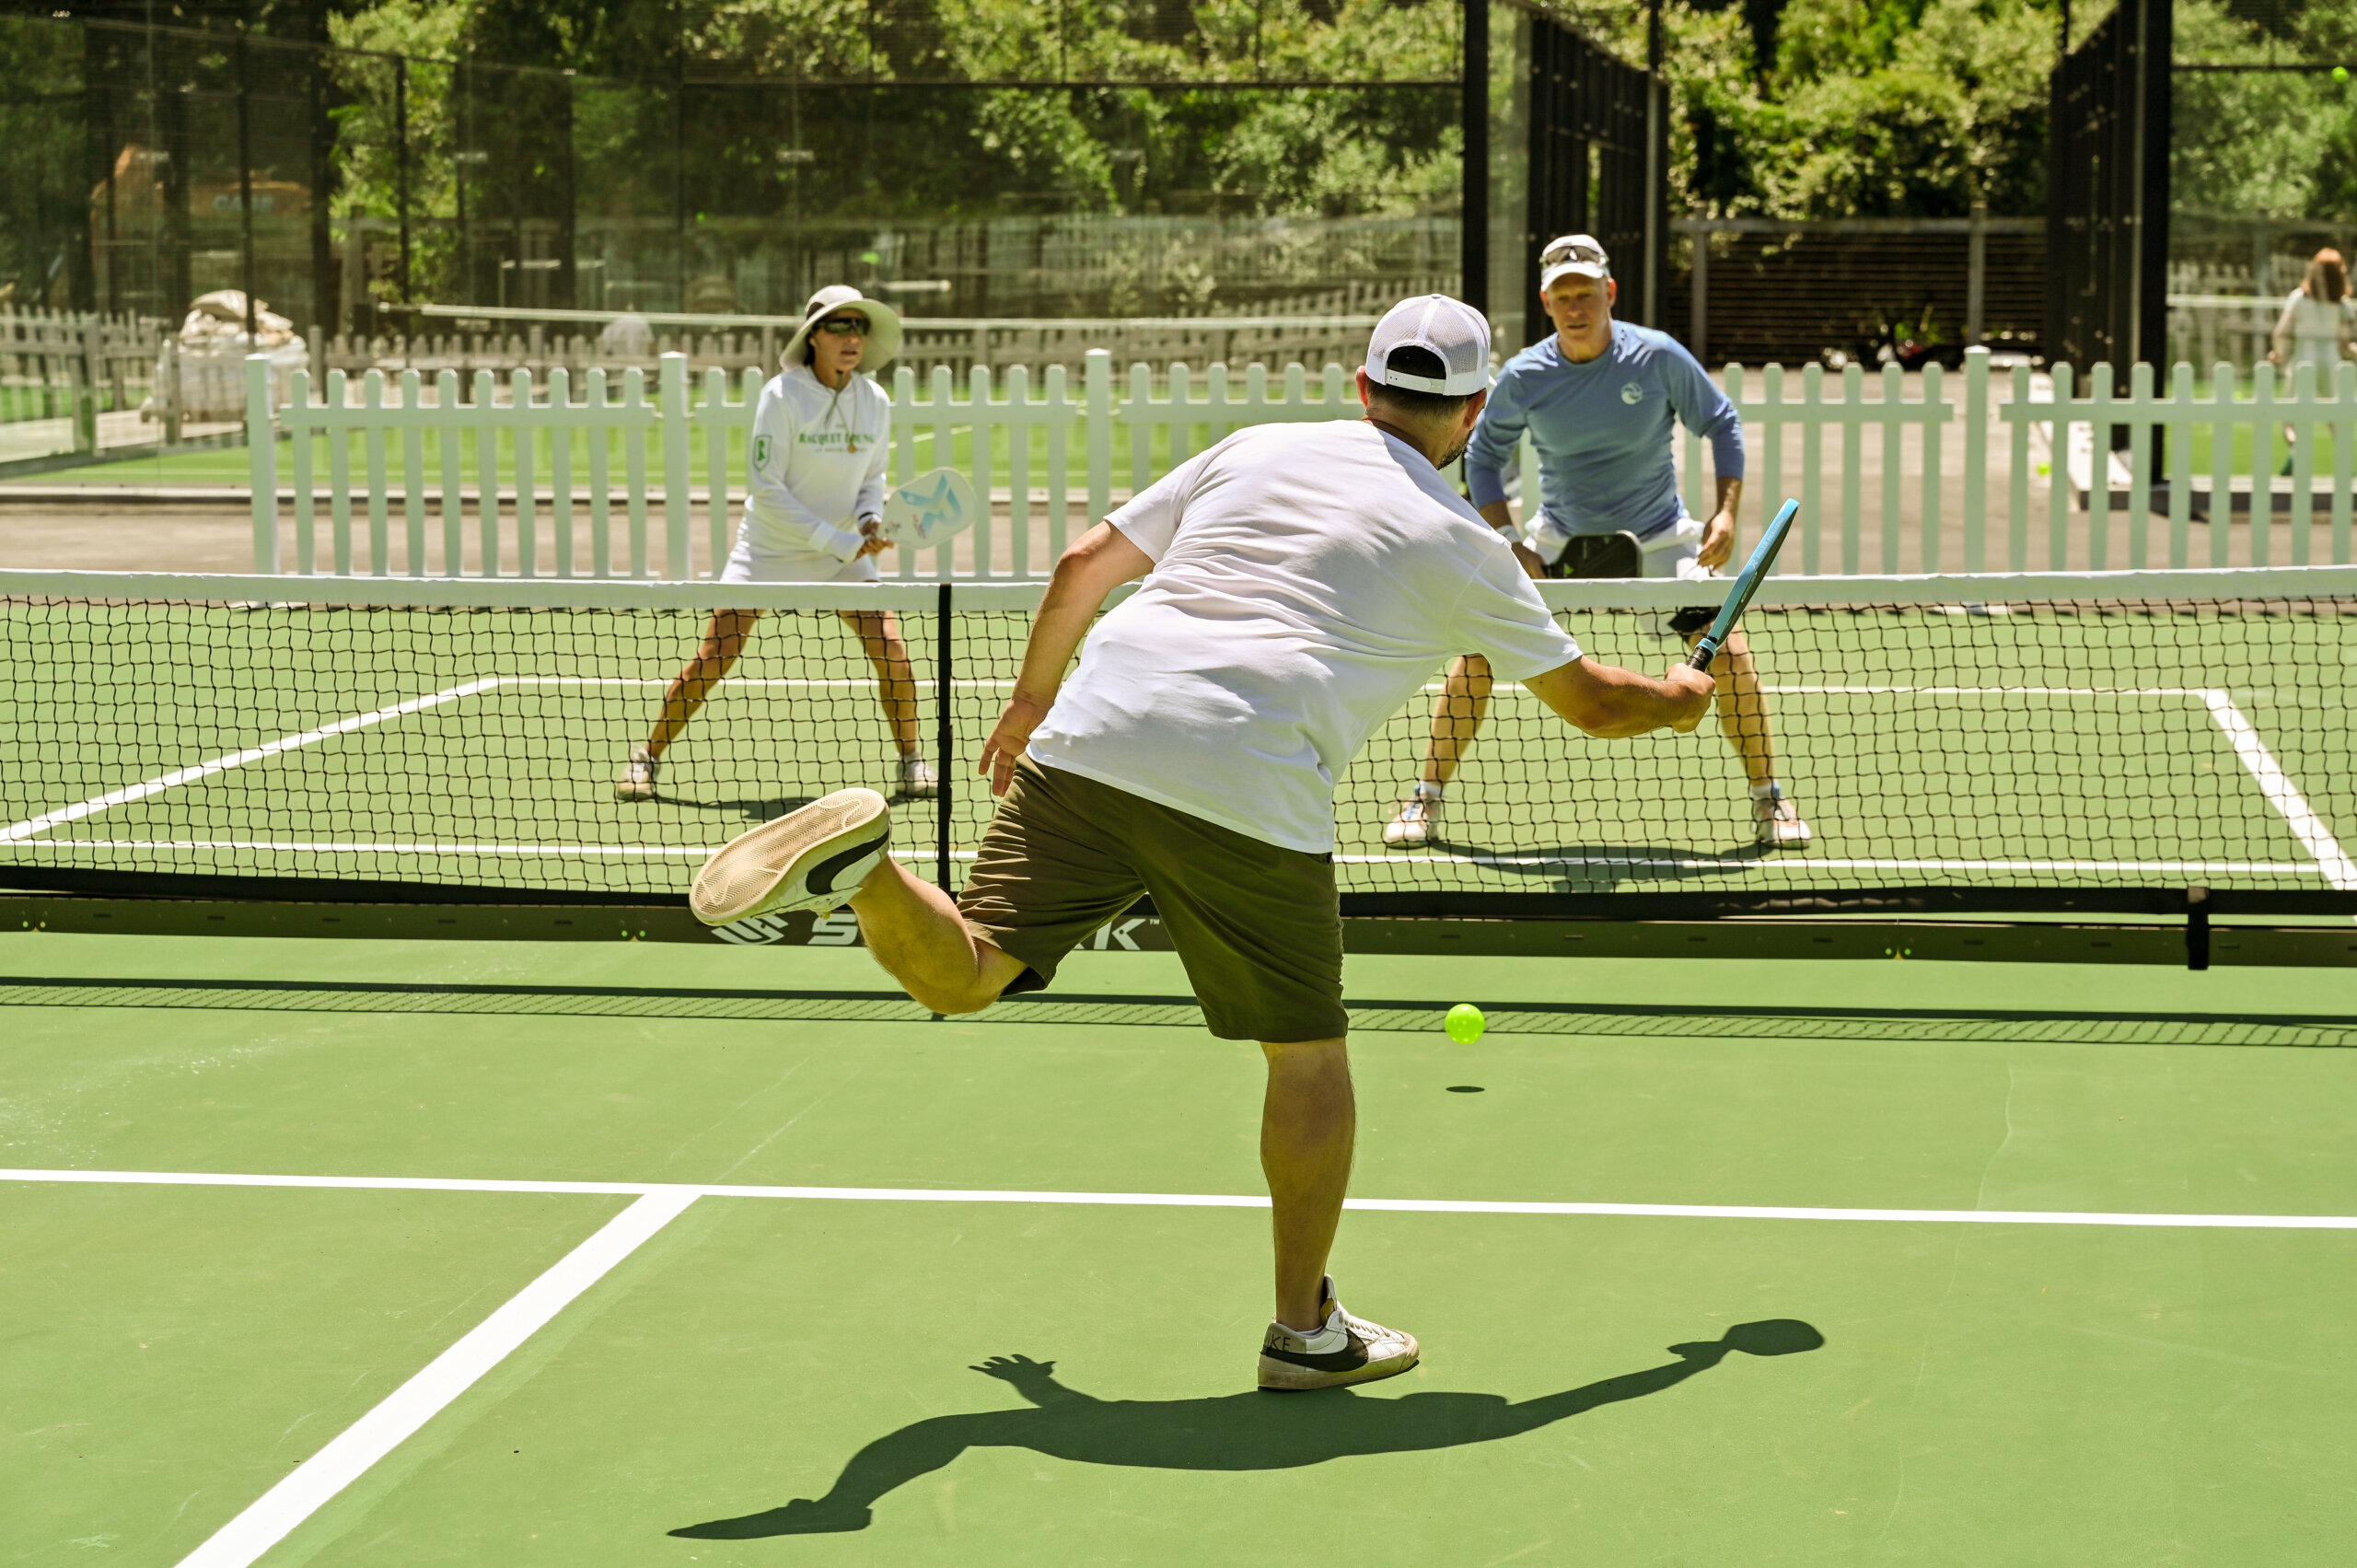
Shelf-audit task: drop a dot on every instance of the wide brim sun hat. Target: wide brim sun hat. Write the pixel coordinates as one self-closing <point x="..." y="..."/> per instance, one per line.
<point x="883" y="326"/>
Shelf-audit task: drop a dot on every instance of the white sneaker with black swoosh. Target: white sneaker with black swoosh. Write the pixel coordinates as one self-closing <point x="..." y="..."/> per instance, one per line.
<point x="810" y="859"/>
<point x="1347" y="1350"/>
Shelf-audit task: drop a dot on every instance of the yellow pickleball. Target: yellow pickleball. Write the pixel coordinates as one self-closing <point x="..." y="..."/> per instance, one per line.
<point x="1464" y="1023"/>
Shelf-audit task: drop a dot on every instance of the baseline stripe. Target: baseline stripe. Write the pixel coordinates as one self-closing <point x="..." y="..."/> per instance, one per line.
<point x="1802" y="867"/>
<point x="309" y="1485"/>
<point x="156" y="785"/>
<point x="685" y="1193"/>
<point x="1813" y="691"/>
<point x="2280" y="792"/>
<point x="297" y="847"/>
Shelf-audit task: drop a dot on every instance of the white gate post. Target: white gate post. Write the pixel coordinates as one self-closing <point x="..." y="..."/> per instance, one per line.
<point x="261" y="453"/>
<point x="1097" y="417"/>
<point x="1976" y="455"/>
<point x="672" y="395"/>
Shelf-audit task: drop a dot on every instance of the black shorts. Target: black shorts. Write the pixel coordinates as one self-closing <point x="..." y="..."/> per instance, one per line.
<point x="1622" y="555"/>
<point x="1259" y="927"/>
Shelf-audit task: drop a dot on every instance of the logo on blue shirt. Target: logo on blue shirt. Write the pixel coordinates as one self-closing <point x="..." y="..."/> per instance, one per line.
<point x="1633" y="394"/>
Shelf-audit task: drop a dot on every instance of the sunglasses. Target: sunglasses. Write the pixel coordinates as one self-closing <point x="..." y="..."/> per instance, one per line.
<point x="1555" y="253"/>
<point x="844" y="326"/>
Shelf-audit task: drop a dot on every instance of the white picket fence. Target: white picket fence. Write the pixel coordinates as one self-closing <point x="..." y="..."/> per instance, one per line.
<point x="668" y="465"/>
<point x="67" y="370"/>
<point x="2050" y="430"/>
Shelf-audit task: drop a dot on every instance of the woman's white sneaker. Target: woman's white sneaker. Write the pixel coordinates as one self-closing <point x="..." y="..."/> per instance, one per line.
<point x="637" y="782"/>
<point x="918" y="781"/>
<point x="1417" y="822"/>
<point x="1775" y="821"/>
<point x="1347" y="1350"/>
<point x="810" y="859"/>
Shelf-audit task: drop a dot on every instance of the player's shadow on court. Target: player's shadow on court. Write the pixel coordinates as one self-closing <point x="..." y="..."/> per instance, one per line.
<point x="749" y="810"/>
<point x="1590" y="867"/>
<point x="1233" y="1431"/>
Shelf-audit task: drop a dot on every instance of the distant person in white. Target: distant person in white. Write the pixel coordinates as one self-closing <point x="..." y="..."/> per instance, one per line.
<point x="2315" y="328"/>
<point x="1301" y="582"/>
<point x="629" y="338"/>
<point x="813" y="512"/>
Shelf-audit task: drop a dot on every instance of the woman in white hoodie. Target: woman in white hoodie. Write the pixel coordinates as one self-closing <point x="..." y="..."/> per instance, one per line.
<point x="813" y="510"/>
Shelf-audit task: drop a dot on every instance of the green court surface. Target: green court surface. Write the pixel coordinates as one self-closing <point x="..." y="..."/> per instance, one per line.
<point x="2058" y="1385"/>
<point x="1925" y="744"/>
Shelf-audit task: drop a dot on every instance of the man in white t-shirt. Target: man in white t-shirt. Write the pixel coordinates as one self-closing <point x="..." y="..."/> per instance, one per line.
<point x="1302" y="583"/>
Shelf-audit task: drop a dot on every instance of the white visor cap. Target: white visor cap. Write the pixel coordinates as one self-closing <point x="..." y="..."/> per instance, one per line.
<point x="1450" y="329"/>
<point x="1573" y="255"/>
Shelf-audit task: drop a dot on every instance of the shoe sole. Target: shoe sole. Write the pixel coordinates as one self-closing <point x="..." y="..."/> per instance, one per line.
<point x="633" y="792"/>
<point x="1284" y="1378"/>
<point x="810" y="859"/>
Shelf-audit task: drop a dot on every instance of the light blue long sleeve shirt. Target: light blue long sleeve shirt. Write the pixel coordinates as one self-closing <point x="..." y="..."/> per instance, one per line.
<point x="1602" y="431"/>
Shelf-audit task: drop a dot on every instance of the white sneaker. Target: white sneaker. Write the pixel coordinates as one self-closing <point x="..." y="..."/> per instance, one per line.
<point x="1776" y="823"/>
<point x="1347" y="1350"/>
<point x="918" y="781"/>
<point x="637" y="782"/>
<point x="810" y="859"/>
<point x="1417" y="824"/>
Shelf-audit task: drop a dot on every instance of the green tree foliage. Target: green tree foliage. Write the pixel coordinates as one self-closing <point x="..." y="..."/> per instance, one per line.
<point x="839" y="112"/>
<point x="2290" y="152"/>
<point x="1861" y="107"/>
<point x="41" y="164"/>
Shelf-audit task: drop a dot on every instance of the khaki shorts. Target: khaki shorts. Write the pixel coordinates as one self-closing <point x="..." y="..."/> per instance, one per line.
<point x="1260" y="928"/>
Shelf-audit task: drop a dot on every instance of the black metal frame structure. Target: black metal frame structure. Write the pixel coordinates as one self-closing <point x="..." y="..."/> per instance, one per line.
<point x="2188" y="938"/>
<point x="1599" y="141"/>
<point x="2108" y="191"/>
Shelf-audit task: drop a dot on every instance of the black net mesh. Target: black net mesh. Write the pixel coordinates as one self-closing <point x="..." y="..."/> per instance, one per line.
<point x="2077" y="745"/>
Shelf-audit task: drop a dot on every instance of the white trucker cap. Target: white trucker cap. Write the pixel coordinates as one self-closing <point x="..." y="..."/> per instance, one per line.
<point x="1574" y="253"/>
<point x="1449" y="329"/>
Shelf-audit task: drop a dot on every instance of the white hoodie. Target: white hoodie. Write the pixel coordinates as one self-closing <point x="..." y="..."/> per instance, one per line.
<point x="817" y="464"/>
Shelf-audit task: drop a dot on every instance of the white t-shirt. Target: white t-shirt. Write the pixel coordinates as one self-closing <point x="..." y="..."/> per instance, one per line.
<point x="817" y="465"/>
<point x="1309" y="579"/>
<point x="2315" y="327"/>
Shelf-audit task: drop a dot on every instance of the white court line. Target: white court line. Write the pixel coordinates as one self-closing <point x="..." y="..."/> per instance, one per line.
<point x="863" y="683"/>
<point x="675" y="850"/>
<point x="270" y="1517"/>
<point x="298" y="846"/>
<point x="1711" y="862"/>
<point x="2280" y="792"/>
<point x="348" y="1457"/>
<point x="163" y="781"/>
<point x="1937" y="690"/>
<point x="1196" y="1201"/>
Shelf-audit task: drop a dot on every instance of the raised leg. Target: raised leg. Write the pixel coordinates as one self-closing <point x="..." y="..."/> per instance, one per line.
<point x="1308" y="1126"/>
<point x="915" y="932"/>
<point x="724" y="640"/>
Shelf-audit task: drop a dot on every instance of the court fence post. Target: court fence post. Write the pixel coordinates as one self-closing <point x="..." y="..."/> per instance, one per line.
<point x="1975" y="452"/>
<point x="945" y="737"/>
<point x="85" y="412"/>
<point x="261" y="454"/>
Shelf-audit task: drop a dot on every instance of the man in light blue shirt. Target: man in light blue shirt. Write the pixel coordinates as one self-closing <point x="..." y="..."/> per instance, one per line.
<point x="1597" y="400"/>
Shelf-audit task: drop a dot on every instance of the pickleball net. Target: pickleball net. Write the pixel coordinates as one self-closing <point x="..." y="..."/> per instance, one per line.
<point x="2050" y="741"/>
